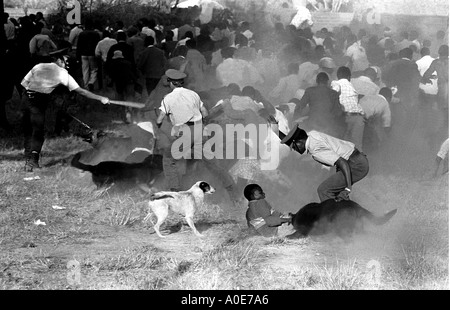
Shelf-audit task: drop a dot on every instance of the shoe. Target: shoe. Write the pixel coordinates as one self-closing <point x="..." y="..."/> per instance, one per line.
<point x="32" y="162"/>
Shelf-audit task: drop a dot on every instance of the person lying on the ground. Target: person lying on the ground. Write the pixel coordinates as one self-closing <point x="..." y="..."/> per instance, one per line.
<point x="260" y="215"/>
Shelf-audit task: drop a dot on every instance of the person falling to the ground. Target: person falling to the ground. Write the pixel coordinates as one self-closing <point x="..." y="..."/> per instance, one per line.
<point x="260" y="215"/>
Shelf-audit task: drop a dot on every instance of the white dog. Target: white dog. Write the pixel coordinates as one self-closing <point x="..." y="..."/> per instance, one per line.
<point x="183" y="202"/>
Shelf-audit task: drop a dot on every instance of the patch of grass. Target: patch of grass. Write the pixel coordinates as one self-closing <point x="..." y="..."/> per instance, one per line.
<point x="134" y="258"/>
<point x="124" y="211"/>
<point x="343" y="276"/>
<point x="226" y="266"/>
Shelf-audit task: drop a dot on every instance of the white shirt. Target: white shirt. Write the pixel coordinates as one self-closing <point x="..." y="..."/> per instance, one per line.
<point x="376" y="106"/>
<point x="364" y="86"/>
<point x="358" y="55"/>
<point x="73" y="36"/>
<point x="237" y="71"/>
<point x="182" y="105"/>
<point x="326" y="149"/>
<point x="286" y="88"/>
<point x="103" y="46"/>
<point x="148" y="32"/>
<point x="45" y="77"/>
<point x="423" y="64"/>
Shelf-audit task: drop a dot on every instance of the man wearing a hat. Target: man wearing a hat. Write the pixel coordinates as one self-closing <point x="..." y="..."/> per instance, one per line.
<point x="186" y="111"/>
<point x="39" y="83"/>
<point x="351" y="164"/>
<point x="327" y="65"/>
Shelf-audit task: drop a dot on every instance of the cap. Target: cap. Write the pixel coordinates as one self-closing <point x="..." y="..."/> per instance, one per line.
<point x="117" y="54"/>
<point x="175" y="74"/>
<point x="296" y="133"/>
<point x="327" y="62"/>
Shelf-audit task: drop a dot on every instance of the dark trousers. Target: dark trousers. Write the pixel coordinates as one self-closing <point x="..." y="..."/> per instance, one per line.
<point x="331" y="187"/>
<point x="171" y="169"/>
<point x="100" y="72"/>
<point x="150" y="84"/>
<point x="33" y="121"/>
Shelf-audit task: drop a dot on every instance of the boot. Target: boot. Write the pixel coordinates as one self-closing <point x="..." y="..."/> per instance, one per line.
<point x="32" y="162"/>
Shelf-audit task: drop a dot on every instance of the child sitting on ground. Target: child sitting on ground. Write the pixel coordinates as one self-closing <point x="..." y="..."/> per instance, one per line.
<point x="260" y="215"/>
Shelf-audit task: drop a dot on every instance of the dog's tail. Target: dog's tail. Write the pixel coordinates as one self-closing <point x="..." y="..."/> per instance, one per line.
<point x="77" y="164"/>
<point x="380" y="220"/>
<point x="160" y="195"/>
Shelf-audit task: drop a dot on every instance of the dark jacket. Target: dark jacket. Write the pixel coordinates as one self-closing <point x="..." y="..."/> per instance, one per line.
<point x="405" y="75"/>
<point x="152" y="63"/>
<point x="261" y="210"/>
<point x="122" y="72"/>
<point x="138" y="46"/>
<point x="127" y="52"/>
<point x="325" y="112"/>
<point x="168" y="48"/>
<point x="87" y="41"/>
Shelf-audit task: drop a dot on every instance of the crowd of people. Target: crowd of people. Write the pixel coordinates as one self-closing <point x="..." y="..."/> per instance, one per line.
<point x="344" y="84"/>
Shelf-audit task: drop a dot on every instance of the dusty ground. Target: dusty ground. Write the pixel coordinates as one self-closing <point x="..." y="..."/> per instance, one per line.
<point x="104" y="231"/>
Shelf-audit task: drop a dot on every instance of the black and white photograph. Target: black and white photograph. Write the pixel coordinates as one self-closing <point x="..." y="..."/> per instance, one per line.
<point x="211" y="147"/>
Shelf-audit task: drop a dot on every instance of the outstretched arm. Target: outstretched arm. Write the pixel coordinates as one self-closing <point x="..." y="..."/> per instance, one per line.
<point x="90" y="95"/>
<point x="429" y="73"/>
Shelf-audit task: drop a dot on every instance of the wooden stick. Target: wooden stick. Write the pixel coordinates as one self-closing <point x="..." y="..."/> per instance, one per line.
<point x="128" y="104"/>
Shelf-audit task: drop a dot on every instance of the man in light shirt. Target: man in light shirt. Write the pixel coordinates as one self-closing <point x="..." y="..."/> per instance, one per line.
<point x="356" y="54"/>
<point x="364" y="84"/>
<point x="377" y="114"/>
<point x="287" y="87"/>
<point x="185" y="109"/>
<point x="101" y="51"/>
<point x="237" y="71"/>
<point x="351" y="164"/>
<point x="39" y="83"/>
<point x="73" y="35"/>
<point x="348" y="98"/>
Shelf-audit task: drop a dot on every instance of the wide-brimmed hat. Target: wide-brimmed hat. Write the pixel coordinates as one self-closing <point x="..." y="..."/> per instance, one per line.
<point x="175" y="74"/>
<point x="296" y="133"/>
<point x="117" y="54"/>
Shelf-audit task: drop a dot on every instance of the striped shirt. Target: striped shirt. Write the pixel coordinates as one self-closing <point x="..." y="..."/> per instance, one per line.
<point x="348" y="96"/>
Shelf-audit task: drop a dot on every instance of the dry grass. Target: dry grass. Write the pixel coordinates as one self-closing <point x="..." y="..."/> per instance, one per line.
<point x="104" y="232"/>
